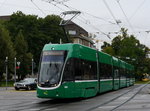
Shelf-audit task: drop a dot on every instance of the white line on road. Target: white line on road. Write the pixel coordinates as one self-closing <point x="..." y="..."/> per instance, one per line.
<point x="34" y="109"/>
<point x="50" y="109"/>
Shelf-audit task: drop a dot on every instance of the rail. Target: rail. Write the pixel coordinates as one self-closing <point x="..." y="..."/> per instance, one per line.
<point x="127" y="96"/>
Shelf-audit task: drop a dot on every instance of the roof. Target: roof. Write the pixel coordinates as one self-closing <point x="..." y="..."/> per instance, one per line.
<point x="72" y="23"/>
<point x="6" y="17"/>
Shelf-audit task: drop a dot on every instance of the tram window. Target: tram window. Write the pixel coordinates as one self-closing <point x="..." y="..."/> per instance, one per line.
<point x="105" y="71"/>
<point x="85" y="70"/>
<point x="131" y="74"/>
<point x="78" y="69"/>
<point x="122" y="73"/>
<point x="69" y="71"/>
<point x="128" y="73"/>
<point x="125" y="73"/>
<point x="93" y="70"/>
<point x="89" y="70"/>
<point x="116" y="73"/>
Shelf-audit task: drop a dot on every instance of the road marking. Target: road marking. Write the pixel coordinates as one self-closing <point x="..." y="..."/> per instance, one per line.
<point x="20" y="91"/>
<point x="34" y="102"/>
<point x="1" y="97"/>
<point x="51" y="109"/>
<point x="103" y="107"/>
<point x="34" y="109"/>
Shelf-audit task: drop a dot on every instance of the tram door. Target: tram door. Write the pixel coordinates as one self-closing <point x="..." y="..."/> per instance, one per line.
<point x="116" y="79"/>
<point x="127" y="78"/>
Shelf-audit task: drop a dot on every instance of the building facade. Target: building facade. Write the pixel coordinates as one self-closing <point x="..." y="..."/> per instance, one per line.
<point x="78" y="35"/>
<point x="7" y="17"/>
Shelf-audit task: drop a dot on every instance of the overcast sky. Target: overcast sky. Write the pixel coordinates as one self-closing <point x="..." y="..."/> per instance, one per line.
<point x="98" y="16"/>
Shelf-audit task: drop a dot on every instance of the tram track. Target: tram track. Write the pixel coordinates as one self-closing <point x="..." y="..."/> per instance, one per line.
<point x="35" y="107"/>
<point x="29" y="106"/>
<point x="42" y="105"/>
<point x="112" y="103"/>
<point x="108" y="102"/>
<point x="52" y="105"/>
<point x="128" y="99"/>
<point x="56" y="104"/>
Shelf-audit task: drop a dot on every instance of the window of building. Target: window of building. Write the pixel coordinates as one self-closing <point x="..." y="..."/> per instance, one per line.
<point x="72" y="32"/>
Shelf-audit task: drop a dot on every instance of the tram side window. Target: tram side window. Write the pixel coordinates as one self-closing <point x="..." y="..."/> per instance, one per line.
<point x="89" y="70"/>
<point x="122" y="73"/>
<point x="132" y="74"/>
<point x="93" y="70"/>
<point x="105" y="71"/>
<point x="85" y="70"/>
<point x="116" y="73"/>
<point x="78" y="69"/>
<point x="128" y="73"/>
<point x="69" y="70"/>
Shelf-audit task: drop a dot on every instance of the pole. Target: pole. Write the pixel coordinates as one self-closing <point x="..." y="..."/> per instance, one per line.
<point x="15" y="70"/>
<point x="67" y="38"/>
<point x="6" y="71"/>
<point x="32" y="67"/>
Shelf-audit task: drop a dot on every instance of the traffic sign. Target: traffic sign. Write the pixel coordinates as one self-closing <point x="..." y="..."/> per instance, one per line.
<point x="18" y="63"/>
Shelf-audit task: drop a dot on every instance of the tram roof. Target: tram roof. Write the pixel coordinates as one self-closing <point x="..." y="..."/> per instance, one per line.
<point x="84" y="52"/>
<point x="75" y="50"/>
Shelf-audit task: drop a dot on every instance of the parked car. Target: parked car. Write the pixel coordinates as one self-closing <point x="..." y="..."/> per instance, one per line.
<point x="27" y="83"/>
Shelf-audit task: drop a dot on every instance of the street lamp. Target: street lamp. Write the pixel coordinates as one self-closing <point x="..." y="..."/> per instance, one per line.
<point x="15" y="70"/>
<point x="6" y="62"/>
<point x="32" y="67"/>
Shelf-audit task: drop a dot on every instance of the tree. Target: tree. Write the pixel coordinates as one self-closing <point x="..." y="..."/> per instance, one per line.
<point x="52" y="28"/>
<point x="36" y="31"/>
<point x="22" y="55"/>
<point x="109" y="50"/>
<point x="6" y="50"/>
<point x="129" y="49"/>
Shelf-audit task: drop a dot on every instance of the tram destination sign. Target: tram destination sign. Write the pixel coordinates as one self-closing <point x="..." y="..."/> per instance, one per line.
<point x="53" y="53"/>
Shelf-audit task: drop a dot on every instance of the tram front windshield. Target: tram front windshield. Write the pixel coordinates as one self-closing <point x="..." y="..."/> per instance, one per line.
<point x="50" y="68"/>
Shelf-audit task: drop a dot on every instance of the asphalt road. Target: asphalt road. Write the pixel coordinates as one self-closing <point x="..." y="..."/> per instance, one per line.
<point x="133" y="98"/>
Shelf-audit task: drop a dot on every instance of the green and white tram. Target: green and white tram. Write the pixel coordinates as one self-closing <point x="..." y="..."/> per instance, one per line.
<point x="74" y="71"/>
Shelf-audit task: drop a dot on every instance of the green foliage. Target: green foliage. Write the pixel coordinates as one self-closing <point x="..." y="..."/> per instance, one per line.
<point x="129" y="49"/>
<point x="109" y="50"/>
<point x="6" y="50"/>
<point x="37" y="31"/>
<point x="20" y="44"/>
<point x="28" y="34"/>
<point x="142" y="82"/>
<point x="22" y="56"/>
<point x="9" y="84"/>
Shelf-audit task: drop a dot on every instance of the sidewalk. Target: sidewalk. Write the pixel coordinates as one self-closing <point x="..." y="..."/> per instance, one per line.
<point x="4" y="88"/>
